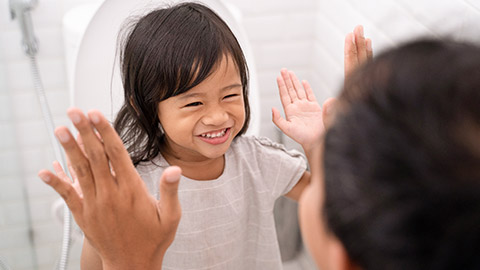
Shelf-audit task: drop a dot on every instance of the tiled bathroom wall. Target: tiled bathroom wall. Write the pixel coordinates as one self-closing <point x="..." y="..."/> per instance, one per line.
<point x="303" y="35"/>
<point x="281" y="35"/>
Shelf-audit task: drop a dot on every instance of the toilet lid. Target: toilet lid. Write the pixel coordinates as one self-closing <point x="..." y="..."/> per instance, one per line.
<point x="96" y="76"/>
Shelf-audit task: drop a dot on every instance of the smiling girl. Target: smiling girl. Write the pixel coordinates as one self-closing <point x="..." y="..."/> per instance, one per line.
<point x="186" y="104"/>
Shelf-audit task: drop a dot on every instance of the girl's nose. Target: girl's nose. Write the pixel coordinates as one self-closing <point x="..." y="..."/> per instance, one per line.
<point x="215" y="117"/>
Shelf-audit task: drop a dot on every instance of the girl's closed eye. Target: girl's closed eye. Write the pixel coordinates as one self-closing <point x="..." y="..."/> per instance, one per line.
<point x="193" y="104"/>
<point x="231" y="96"/>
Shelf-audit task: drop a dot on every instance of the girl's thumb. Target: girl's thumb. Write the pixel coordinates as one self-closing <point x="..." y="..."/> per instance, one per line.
<point x="169" y="204"/>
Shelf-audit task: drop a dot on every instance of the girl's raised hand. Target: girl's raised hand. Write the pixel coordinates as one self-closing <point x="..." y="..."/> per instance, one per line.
<point x="127" y="226"/>
<point x="303" y="115"/>
<point x="357" y="49"/>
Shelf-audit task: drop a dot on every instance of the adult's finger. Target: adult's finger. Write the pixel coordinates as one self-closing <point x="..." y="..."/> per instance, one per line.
<point x="62" y="175"/>
<point x="328" y="112"/>
<point x="78" y="162"/>
<point x="60" y="172"/>
<point x="80" y="143"/>
<point x="64" y="189"/>
<point x="169" y="205"/>
<point x="350" y="54"/>
<point x="114" y="148"/>
<point x="369" y="49"/>
<point x="361" y="44"/>
<point x="104" y="182"/>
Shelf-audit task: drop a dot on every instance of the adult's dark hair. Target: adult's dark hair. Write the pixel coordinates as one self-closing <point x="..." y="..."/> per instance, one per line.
<point x="402" y="160"/>
<point x="166" y="53"/>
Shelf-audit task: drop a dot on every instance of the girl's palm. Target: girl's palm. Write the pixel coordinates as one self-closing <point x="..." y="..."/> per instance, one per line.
<point x="303" y="115"/>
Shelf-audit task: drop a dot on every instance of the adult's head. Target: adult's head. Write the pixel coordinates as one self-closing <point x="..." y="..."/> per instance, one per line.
<point x="401" y="164"/>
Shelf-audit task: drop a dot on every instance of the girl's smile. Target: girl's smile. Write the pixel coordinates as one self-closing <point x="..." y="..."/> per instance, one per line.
<point x="216" y="137"/>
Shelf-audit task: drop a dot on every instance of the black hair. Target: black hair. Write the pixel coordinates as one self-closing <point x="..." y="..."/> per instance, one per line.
<point x="402" y="159"/>
<point x="166" y="53"/>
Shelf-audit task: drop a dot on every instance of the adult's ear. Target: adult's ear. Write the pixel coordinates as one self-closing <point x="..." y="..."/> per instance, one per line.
<point x="339" y="259"/>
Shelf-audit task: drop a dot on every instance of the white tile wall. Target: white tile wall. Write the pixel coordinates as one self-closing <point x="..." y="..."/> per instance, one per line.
<point x="303" y="35"/>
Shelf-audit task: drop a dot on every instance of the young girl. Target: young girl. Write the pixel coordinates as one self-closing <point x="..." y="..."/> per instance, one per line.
<point x="186" y="104"/>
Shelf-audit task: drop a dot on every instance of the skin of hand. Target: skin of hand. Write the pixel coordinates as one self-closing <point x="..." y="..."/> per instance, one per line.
<point x="127" y="226"/>
<point x="303" y="114"/>
<point x="303" y="117"/>
<point x="357" y="49"/>
<point x="305" y="121"/>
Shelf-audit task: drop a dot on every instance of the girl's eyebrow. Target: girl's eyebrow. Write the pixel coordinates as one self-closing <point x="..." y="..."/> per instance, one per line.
<point x="235" y="85"/>
<point x="189" y="95"/>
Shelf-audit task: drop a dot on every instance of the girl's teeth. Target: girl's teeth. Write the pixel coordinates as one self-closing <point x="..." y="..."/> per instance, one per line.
<point x="219" y="134"/>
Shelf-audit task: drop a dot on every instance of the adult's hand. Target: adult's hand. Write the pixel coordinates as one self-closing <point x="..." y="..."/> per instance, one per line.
<point x="127" y="226"/>
<point x="357" y="49"/>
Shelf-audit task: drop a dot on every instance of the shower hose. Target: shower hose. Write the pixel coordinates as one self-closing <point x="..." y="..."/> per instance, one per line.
<point x="59" y="156"/>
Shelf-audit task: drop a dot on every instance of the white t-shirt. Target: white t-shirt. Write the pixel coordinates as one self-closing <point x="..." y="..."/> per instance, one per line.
<point x="228" y="223"/>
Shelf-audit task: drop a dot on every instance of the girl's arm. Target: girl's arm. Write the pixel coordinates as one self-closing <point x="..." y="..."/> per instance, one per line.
<point x="297" y="190"/>
<point x="305" y="120"/>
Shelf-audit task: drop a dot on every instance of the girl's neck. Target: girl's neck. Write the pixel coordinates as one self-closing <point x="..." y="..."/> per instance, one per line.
<point x="207" y="169"/>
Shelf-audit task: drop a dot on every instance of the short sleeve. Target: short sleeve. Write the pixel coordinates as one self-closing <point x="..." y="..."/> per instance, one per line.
<point x="281" y="169"/>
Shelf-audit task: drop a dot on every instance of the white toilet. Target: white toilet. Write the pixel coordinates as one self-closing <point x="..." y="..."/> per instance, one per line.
<point x="90" y="36"/>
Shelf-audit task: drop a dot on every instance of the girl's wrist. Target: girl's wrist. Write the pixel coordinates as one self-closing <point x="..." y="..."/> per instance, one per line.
<point x="311" y="148"/>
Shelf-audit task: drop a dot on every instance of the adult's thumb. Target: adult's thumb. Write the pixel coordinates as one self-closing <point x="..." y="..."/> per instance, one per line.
<point x="328" y="112"/>
<point x="169" y="204"/>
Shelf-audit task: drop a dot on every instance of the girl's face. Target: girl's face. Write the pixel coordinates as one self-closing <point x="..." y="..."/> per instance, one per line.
<point x="201" y="123"/>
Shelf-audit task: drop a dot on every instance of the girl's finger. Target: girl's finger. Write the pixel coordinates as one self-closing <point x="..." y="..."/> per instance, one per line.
<point x="282" y="89"/>
<point x="297" y="86"/>
<point x="309" y="91"/>
<point x="279" y="121"/>
<point x="288" y="82"/>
